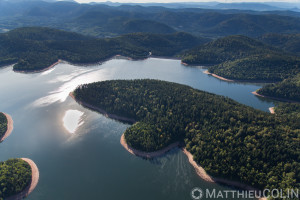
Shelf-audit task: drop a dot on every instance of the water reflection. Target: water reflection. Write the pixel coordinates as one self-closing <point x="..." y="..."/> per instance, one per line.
<point x="72" y="120"/>
<point x="90" y="158"/>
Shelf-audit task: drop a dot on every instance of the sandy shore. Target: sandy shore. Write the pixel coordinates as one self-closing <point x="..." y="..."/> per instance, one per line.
<point x="199" y="170"/>
<point x="272" y="110"/>
<point x="185" y="64"/>
<point x="217" y="76"/>
<point x="10" y="126"/>
<point x="40" y="70"/>
<point x="147" y="154"/>
<point x="32" y="185"/>
<point x="112" y="116"/>
<point x="203" y="175"/>
<point x="275" y="98"/>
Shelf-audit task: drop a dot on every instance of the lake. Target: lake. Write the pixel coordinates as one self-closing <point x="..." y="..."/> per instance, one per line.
<point x="78" y="151"/>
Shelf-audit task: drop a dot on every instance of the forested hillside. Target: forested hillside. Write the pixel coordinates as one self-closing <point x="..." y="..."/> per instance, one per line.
<point x="287" y="42"/>
<point x="37" y="48"/>
<point x="288" y="89"/>
<point x="264" y="67"/>
<point x="243" y="58"/>
<point x="226" y="49"/>
<point x="289" y="110"/>
<point x="228" y="139"/>
<point x="107" y="21"/>
<point x="3" y="124"/>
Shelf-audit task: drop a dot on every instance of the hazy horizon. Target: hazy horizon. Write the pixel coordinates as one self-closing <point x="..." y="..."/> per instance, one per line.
<point x="189" y="1"/>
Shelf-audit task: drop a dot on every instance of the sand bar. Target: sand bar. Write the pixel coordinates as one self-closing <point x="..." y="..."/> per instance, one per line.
<point x="10" y="126"/>
<point x="33" y="183"/>
<point x="272" y="110"/>
<point x="217" y="76"/>
<point x="185" y="64"/>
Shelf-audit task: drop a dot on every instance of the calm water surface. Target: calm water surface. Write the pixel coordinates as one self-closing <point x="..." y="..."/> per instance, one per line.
<point x="78" y="151"/>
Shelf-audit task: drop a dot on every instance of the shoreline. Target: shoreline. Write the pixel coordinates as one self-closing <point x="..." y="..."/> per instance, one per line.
<point x="274" y="98"/>
<point x="203" y="175"/>
<point x="108" y="115"/>
<point x="118" y="56"/>
<point x="76" y="64"/>
<point x="272" y="110"/>
<point x="236" y="80"/>
<point x="199" y="170"/>
<point x="38" y="70"/>
<point x="185" y="64"/>
<point x="34" y="181"/>
<point x="144" y="154"/>
<point x="10" y="127"/>
<point x="218" y="77"/>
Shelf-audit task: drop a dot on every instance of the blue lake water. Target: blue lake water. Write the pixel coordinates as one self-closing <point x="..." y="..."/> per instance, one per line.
<point x="78" y="151"/>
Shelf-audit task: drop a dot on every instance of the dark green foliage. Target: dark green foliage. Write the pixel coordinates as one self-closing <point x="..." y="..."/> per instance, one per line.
<point x="103" y="21"/>
<point x="145" y="26"/>
<point x="226" y="138"/>
<point x="3" y="124"/>
<point x="38" y="48"/>
<point x="15" y="176"/>
<point x="226" y="49"/>
<point x="289" y="110"/>
<point x="43" y="33"/>
<point x="288" y="89"/>
<point x="243" y="58"/>
<point x="265" y="67"/>
<point x="287" y="42"/>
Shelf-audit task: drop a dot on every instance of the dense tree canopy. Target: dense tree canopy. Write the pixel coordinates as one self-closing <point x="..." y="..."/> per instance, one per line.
<point x="287" y="42"/>
<point x="288" y="89"/>
<point x="289" y="110"/>
<point x="243" y="58"/>
<point x="15" y="176"/>
<point x="3" y="124"/>
<point x="226" y="49"/>
<point x="226" y="138"/>
<point x="103" y="20"/>
<point x="263" y="67"/>
<point x="37" y="48"/>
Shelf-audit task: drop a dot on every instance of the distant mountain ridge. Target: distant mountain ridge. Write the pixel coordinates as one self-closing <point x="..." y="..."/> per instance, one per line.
<point x="107" y="21"/>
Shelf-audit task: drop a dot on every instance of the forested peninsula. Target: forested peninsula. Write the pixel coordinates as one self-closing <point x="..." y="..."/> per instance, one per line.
<point x="243" y="58"/>
<point x="271" y="58"/>
<point x="288" y="89"/>
<point x="37" y="48"/>
<point x="228" y="139"/>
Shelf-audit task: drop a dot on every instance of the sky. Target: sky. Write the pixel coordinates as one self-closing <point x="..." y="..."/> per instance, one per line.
<point x="167" y="1"/>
